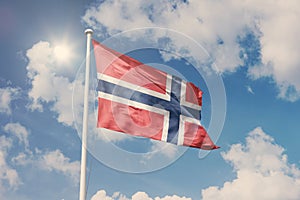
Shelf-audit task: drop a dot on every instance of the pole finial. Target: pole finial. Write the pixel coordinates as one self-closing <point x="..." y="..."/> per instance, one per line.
<point x="88" y="31"/>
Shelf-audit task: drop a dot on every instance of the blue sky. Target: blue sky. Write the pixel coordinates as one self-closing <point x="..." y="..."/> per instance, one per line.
<point x="253" y="85"/>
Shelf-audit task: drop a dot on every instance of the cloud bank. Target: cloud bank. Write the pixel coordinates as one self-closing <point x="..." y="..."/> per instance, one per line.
<point x="101" y="195"/>
<point x="15" y="154"/>
<point x="220" y="26"/>
<point x="262" y="171"/>
<point x="49" y="83"/>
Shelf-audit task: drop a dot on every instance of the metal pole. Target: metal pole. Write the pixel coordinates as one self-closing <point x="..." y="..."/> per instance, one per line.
<point x="82" y="192"/>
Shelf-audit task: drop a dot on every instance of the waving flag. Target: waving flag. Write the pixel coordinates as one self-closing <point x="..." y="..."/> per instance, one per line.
<point x="139" y="100"/>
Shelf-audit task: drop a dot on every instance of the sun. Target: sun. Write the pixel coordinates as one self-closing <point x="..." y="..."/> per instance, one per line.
<point x="62" y="53"/>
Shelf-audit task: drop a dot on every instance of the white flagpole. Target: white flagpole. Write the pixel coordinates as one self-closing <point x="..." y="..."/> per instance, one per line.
<point x="82" y="192"/>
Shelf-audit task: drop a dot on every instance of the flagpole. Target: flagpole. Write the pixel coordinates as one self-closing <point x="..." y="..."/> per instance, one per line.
<point x="82" y="192"/>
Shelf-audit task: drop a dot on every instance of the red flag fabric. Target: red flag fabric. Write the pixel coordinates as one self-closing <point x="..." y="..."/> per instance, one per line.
<point x="139" y="100"/>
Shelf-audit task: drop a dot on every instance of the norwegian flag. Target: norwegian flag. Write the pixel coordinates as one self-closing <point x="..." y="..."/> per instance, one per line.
<point x="139" y="100"/>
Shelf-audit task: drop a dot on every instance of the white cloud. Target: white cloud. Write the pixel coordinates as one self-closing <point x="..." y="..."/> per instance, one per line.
<point x="6" y="96"/>
<point x="9" y="178"/>
<point x="174" y="197"/>
<point x="262" y="169"/>
<point x="19" y="131"/>
<point x="207" y="27"/>
<point x="280" y="29"/>
<point x="141" y="196"/>
<point x="5" y="143"/>
<point x="45" y="160"/>
<point x="217" y="25"/>
<point x="49" y="81"/>
<point x="101" y="195"/>
<point x="51" y="161"/>
<point x="57" y="161"/>
<point x="15" y="155"/>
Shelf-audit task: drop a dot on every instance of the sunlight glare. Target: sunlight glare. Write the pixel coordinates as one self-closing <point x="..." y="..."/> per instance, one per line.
<point x="62" y="53"/>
